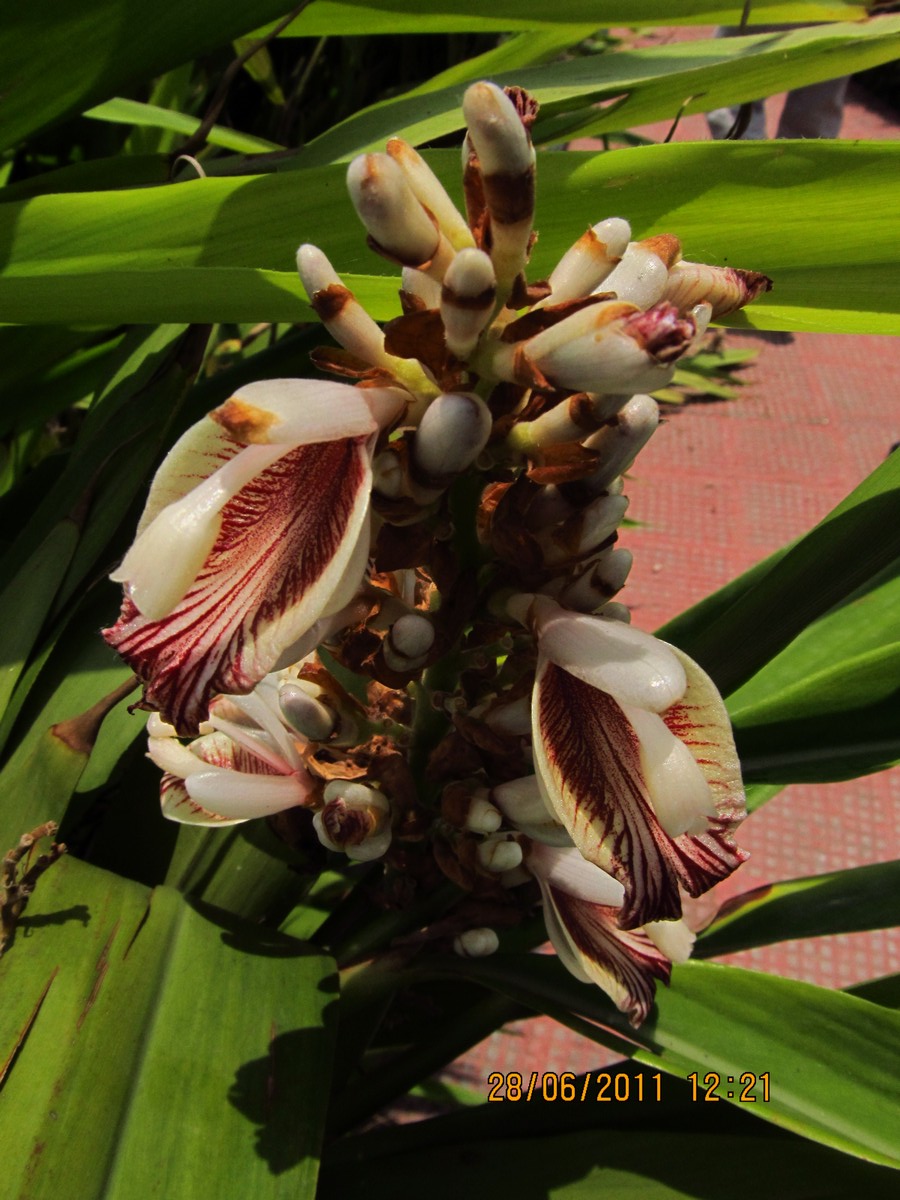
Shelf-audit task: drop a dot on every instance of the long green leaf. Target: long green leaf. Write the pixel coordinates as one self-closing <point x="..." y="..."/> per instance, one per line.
<point x="121" y="111"/>
<point x="637" y="85"/>
<point x="826" y="1081"/>
<point x="92" y="51"/>
<point x="148" y="1049"/>
<point x="227" y="244"/>
<point x="354" y="17"/>
<point x="841" y="902"/>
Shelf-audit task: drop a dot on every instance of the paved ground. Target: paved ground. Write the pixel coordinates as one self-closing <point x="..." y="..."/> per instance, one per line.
<point x="818" y="414"/>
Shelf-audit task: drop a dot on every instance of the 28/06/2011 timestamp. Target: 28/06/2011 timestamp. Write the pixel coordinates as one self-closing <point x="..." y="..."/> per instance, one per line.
<point x="605" y="1087"/>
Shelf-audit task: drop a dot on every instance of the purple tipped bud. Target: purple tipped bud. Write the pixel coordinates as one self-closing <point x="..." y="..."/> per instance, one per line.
<point x="725" y="288"/>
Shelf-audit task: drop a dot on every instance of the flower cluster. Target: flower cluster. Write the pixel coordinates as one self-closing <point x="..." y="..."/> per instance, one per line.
<point x="441" y="527"/>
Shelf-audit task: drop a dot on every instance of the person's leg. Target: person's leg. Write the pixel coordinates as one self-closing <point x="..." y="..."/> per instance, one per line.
<point x="815" y="111"/>
<point x="721" y="120"/>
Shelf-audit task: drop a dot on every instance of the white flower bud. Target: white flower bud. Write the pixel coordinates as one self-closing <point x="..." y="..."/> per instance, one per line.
<point x="467" y="300"/>
<point x="429" y="191"/>
<point x="408" y="642"/>
<point x="476" y="943"/>
<point x="499" y="853"/>
<point x="513" y="719"/>
<point x="451" y="435"/>
<point x="417" y="283"/>
<point x="303" y="712"/>
<point x="482" y="816"/>
<point x="642" y="275"/>
<point x="620" y="442"/>
<point x="587" y="264"/>
<point x="397" y="223"/>
<point x="586" y="530"/>
<point x="498" y="135"/>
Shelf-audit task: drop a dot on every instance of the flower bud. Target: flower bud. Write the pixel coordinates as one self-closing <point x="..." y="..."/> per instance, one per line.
<point x="451" y="435"/>
<point x="607" y="347"/>
<point x="620" y="441"/>
<point x="725" y="288"/>
<point x="430" y="193"/>
<point x="584" y="531"/>
<point x="500" y="853"/>
<point x="338" y="309"/>
<point x="521" y="802"/>
<point x="641" y="276"/>
<point x="408" y="642"/>
<point x="467" y="300"/>
<point x="595" y="586"/>
<point x="471" y="810"/>
<point x="355" y="820"/>
<point x="399" y="227"/>
<point x="506" y="163"/>
<point x="512" y="719"/>
<point x="304" y="712"/>
<point x="476" y="943"/>
<point x="587" y="264"/>
<point x="569" y="421"/>
<point x="422" y="286"/>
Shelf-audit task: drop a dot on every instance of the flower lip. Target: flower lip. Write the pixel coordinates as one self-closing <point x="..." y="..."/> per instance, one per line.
<point x="628" y="664"/>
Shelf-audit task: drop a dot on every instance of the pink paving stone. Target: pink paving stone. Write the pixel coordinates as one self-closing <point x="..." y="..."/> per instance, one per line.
<point x="718" y="488"/>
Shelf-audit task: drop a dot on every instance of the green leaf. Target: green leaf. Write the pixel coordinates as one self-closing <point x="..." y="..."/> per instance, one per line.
<point x="636" y="86"/>
<point x="228" y="244"/>
<point x="825" y="707"/>
<point x="826" y="1082"/>
<point x="151" y="1047"/>
<point x="121" y="111"/>
<point x="92" y="51"/>
<point x="27" y="599"/>
<point x="847" y="901"/>
<point x="355" y="17"/>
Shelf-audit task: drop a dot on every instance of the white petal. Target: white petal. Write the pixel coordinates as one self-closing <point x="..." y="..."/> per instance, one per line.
<point x="632" y="666"/>
<point x="673" y="938"/>
<point x="171" y="756"/>
<point x="241" y="795"/>
<point x="568" y="871"/>
<point x="678" y="790"/>
<point x="298" y="412"/>
<point x="169" y="554"/>
<point x="522" y="803"/>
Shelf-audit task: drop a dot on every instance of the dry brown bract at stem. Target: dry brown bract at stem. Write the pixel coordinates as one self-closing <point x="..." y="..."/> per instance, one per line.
<point x="15" y="888"/>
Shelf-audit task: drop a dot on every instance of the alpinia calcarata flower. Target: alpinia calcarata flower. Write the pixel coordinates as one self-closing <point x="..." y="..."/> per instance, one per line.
<point x="320" y="585"/>
<point x="634" y="752"/>
<point x="581" y="910"/>
<point x="256" y="526"/>
<point x="248" y="764"/>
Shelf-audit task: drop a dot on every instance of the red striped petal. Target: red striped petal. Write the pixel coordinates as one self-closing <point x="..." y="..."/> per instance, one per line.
<point x="624" y="963"/>
<point x="588" y="759"/>
<point x="283" y="547"/>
